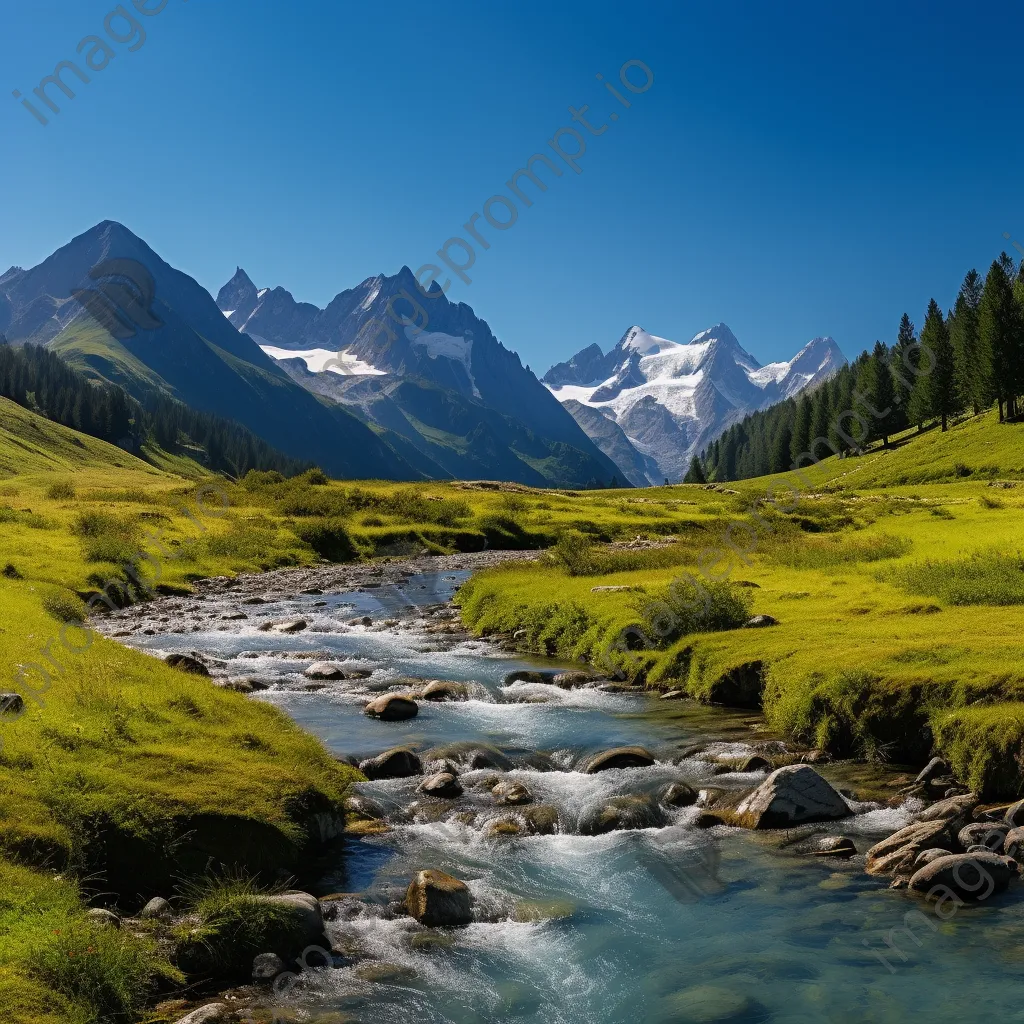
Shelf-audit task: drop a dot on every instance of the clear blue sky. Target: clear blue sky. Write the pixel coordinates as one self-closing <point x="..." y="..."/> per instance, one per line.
<point x="796" y="169"/>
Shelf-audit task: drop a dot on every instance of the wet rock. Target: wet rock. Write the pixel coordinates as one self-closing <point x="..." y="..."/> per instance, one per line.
<point x="392" y="708"/>
<point x="619" y="757"/>
<point x="986" y="834"/>
<point x="510" y="794"/>
<point x="971" y="876"/>
<point x="1014" y="816"/>
<point x="473" y="755"/>
<point x="936" y="766"/>
<point x="1013" y="844"/>
<point x="790" y="796"/>
<point x="543" y="910"/>
<point x="672" y="695"/>
<point x="541" y="820"/>
<point x="11" y="704"/>
<point x="383" y="973"/>
<point x="753" y="763"/>
<point x="955" y="807"/>
<point x="439" y="900"/>
<point x="211" y="1013"/>
<point x="815" y="757"/>
<point x="234" y="617"/>
<point x="444" y="785"/>
<point x="927" y="856"/>
<point x="157" y="907"/>
<point x="290" y="626"/>
<point x="266" y="967"/>
<point x="567" y="680"/>
<point x="897" y="854"/>
<point x="97" y="915"/>
<point x="364" y="807"/>
<point x="499" y="828"/>
<point x="365" y="620"/>
<point x="622" y="812"/>
<point x="704" y="1004"/>
<point x="834" y="846"/>
<point x="325" y="670"/>
<point x="396" y="763"/>
<point x="523" y="675"/>
<point x="186" y="663"/>
<point x="760" y="621"/>
<point x="678" y="794"/>
<point x="440" y="690"/>
<point x="254" y="600"/>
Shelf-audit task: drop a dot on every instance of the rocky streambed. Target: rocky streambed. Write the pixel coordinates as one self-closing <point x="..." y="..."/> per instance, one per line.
<point x="536" y="843"/>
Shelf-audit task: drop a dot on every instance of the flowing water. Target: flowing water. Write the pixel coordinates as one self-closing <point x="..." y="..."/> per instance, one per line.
<point x="661" y="924"/>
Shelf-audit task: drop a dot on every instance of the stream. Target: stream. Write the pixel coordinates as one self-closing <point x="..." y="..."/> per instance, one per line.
<point x="669" y="924"/>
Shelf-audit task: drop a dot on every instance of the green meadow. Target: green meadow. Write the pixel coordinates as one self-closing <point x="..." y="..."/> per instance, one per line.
<point x="896" y="579"/>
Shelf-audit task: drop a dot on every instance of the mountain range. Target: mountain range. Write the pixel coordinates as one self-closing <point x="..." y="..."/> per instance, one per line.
<point x="667" y="401"/>
<point x="350" y="388"/>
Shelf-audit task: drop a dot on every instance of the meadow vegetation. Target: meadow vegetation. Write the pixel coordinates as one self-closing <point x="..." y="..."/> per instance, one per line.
<point x="896" y="578"/>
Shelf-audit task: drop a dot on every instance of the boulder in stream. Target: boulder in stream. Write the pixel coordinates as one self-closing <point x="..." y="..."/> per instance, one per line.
<point x="991" y="835"/>
<point x="325" y="670"/>
<point x="619" y="757"/>
<point x="439" y="690"/>
<point x="443" y="784"/>
<point x="392" y="707"/>
<point x="1013" y="844"/>
<point x="622" y="812"/>
<point x="971" y="876"/>
<point x="898" y="854"/>
<point x="791" y="796"/>
<point x="678" y="794"/>
<point x="396" y="763"/>
<point x="439" y="900"/>
<point x="509" y="793"/>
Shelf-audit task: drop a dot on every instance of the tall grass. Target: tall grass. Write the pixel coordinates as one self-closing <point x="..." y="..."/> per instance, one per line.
<point x="804" y="552"/>
<point x="990" y="578"/>
<point x="689" y="606"/>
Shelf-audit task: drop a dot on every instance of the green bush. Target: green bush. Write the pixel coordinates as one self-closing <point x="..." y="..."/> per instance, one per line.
<point x="64" y="607"/>
<point x="329" y="538"/>
<point x="574" y="552"/>
<point x="689" y="605"/>
<point x="62" y="490"/>
<point x="804" y="552"/>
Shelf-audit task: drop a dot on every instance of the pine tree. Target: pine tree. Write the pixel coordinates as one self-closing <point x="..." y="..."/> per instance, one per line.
<point x="877" y="393"/>
<point x="963" y="335"/>
<point x="940" y="392"/>
<point x="802" y="422"/>
<point x="695" y="474"/>
<point x="996" y="342"/>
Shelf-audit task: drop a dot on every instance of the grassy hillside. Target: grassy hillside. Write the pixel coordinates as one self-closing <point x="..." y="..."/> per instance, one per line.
<point x="899" y="607"/>
<point x="118" y="758"/>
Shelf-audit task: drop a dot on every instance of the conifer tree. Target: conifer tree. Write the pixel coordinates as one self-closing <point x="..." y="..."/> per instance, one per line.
<point x="996" y="336"/>
<point x="939" y="386"/>
<point x="903" y="355"/>
<point x="877" y="393"/>
<point x="963" y="335"/>
<point x="695" y="474"/>
<point x="802" y="422"/>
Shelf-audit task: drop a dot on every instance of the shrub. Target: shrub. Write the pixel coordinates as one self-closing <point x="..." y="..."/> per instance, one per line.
<point x="690" y="605"/>
<point x="329" y="538"/>
<point x="64" y="607"/>
<point x="315" y="477"/>
<point x="62" y="490"/>
<point x="574" y="552"/>
<point x="823" y="552"/>
<point x="105" y="969"/>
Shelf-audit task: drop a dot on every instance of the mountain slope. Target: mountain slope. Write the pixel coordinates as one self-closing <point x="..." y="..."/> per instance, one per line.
<point x="508" y="423"/>
<point x="671" y="399"/>
<point x="194" y="355"/>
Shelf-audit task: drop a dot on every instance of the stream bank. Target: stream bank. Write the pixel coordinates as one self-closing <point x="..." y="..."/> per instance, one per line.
<point x="672" y="918"/>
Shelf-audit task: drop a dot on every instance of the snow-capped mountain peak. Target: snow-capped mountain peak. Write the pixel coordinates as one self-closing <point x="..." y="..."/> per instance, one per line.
<point x="672" y="399"/>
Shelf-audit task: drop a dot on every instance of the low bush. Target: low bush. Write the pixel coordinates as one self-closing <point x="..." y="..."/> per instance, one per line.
<point x="61" y="490"/>
<point x="689" y="605"/>
<point x="64" y="606"/>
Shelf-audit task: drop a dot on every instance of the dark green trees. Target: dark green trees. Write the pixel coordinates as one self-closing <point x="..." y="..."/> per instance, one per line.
<point x="939" y="394"/>
<point x="695" y="474"/>
<point x="999" y="327"/>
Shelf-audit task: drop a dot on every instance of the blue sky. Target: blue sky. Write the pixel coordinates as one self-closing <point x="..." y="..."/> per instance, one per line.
<point x="795" y="169"/>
